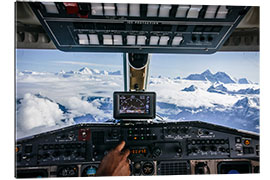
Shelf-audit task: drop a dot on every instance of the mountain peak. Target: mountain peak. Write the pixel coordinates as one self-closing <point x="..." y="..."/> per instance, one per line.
<point x="191" y="88"/>
<point x="85" y="70"/>
<point x="207" y="72"/>
<point x="223" y="77"/>
<point x="207" y="75"/>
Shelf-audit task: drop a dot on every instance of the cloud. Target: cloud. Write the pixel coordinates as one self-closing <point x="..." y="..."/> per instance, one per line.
<point x="80" y="107"/>
<point x="34" y="112"/>
<point x="87" y="64"/>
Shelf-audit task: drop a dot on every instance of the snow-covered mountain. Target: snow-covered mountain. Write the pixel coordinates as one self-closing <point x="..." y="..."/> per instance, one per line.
<point x="197" y="77"/>
<point x="244" y="81"/>
<point x="207" y="75"/>
<point x="115" y="73"/>
<point x="190" y="88"/>
<point x="218" y="89"/>
<point x="88" y="71"/>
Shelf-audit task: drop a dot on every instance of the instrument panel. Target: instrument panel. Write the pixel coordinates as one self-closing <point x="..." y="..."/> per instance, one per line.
<point x="173" y="148"/>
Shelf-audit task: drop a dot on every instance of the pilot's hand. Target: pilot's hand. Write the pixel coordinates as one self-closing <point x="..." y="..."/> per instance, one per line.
<point x="115" y="163"/>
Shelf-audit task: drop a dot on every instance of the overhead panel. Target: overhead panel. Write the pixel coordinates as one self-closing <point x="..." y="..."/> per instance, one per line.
<point x="138" y="28"/>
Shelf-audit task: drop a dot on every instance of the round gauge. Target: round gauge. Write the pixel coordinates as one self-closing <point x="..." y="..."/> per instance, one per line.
<point x="67" y="171"/>
<point x="89" y="171"/>
<point x="148" y="168"/>
<point x="233" y="171"/>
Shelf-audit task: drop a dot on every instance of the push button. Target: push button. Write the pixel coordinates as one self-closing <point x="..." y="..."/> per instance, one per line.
<point x="238" y="140"/>
<point x="45" y="147"/>
<point x="247" y="142"/>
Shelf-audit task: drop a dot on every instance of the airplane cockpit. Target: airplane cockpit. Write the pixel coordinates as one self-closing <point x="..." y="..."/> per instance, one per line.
<point x="172" y="126"/>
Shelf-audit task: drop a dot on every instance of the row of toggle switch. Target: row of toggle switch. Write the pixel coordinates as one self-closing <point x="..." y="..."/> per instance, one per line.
<point x="83" y="10"/>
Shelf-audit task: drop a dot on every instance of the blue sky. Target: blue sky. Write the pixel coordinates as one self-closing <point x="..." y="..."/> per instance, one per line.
<point x="236" y="64"/>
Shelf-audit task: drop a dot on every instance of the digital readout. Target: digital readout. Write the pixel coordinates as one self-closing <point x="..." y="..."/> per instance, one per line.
<point x="138" y="151"/>
<point x="134" y="104"/>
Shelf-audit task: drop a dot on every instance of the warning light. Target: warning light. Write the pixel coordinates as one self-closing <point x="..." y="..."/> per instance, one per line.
<point x="17" y="149"/>
<point x="135" y="138"/>
<point x="247" y="142"/>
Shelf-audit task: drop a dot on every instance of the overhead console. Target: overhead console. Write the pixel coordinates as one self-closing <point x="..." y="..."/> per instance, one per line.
<point x="138" y="28"/>
<point x="156" y="149"/>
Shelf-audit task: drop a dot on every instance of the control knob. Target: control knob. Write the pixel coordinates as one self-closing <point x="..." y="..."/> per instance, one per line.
<point x="195" y="150"/>
<point x="222" y="149"/>
<point x="213" y="148"/>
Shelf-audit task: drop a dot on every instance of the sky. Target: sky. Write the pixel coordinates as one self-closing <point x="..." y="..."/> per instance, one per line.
<point x="236" y="64"/>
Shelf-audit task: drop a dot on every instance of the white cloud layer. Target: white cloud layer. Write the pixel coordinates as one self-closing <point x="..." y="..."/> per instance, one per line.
<point x="80" y="107"/>
<point x="34" y="112"/>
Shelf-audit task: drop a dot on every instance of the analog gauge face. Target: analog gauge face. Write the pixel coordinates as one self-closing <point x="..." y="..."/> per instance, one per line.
<point x="134" y="104"/>
<point x="67" y="171"/>
<point x="148" y="168"/>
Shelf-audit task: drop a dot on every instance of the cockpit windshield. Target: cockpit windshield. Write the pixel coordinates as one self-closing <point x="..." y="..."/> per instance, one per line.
<point x="55" y="89"/>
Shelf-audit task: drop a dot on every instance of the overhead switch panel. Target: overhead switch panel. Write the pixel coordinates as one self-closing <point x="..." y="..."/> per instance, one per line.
<point x="138" y="28"/>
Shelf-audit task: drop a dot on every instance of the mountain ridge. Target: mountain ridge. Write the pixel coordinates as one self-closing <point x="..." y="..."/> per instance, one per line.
<point x="218" y="77"/>
<point x="207" y="75"/>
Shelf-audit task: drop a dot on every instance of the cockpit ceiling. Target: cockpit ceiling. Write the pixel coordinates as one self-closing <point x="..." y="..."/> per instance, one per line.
<point x="140" y="28"/>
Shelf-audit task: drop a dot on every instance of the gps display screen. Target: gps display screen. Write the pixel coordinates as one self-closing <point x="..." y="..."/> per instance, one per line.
<point x="134" y="105"/>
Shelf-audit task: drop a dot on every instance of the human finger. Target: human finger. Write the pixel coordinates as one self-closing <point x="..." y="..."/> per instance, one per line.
<point x="126" y="153"/>
<point x="120" y="146"/>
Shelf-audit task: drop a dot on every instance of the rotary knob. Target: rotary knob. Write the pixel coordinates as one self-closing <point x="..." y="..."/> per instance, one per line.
<point x="213" y="148"/>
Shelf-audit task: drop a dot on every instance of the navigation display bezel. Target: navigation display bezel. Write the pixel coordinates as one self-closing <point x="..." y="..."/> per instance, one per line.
<point x="116" y="107"/>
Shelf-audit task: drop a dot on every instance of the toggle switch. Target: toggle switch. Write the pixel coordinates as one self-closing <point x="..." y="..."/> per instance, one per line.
<point x="72" y="8"/>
